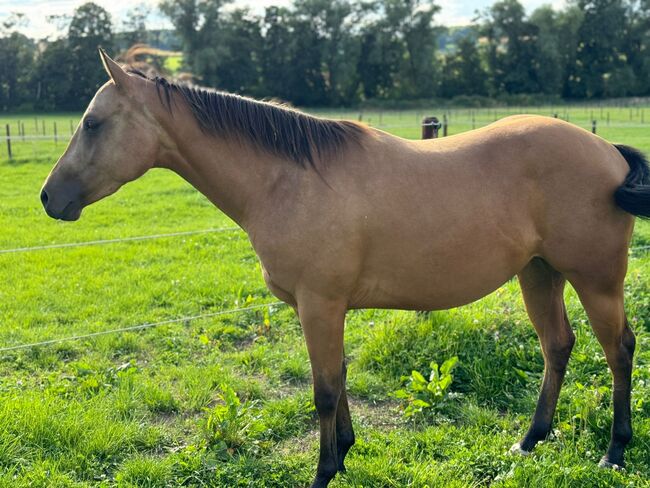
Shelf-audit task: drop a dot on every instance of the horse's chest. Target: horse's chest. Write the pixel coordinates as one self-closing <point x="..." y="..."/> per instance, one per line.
<point x="277" y="289"/>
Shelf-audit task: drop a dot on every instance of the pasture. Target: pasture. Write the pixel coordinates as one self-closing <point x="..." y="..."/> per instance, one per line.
<point x="226" y="400"/>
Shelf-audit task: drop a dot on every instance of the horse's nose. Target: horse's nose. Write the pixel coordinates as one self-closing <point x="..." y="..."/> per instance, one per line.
<point x="44" y="198"/>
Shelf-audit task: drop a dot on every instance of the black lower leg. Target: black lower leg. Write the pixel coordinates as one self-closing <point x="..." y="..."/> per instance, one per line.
<point x="556" y="357"/>
<point x="344" y="430"/>
<point x="622" y="423"/>
<point x="542" y="421"/>
<point x="326" y="400"/>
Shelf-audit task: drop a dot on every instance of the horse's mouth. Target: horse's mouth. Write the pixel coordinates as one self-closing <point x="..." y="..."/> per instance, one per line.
<point x="70" y="213"/>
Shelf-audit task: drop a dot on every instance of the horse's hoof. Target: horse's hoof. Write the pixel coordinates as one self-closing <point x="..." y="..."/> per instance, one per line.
<point x="604" y="463"/>
<point x="516" y="449"/>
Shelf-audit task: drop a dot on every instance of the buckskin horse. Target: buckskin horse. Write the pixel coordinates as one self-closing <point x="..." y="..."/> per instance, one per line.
<point x="343" y="216"/>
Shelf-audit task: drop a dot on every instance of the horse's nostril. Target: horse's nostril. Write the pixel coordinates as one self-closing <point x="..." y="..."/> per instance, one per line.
<point x="44" y="197"/>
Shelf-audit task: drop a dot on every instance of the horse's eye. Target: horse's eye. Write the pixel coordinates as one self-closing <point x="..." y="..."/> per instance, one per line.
<point x="90" y="124"/>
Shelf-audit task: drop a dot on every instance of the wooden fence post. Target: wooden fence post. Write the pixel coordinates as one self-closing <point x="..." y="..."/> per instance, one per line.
<point x="56" y="139"/>
<point x="8" y="141"/>
<point x="444" y="125"/>
<point x="430" y="127"/>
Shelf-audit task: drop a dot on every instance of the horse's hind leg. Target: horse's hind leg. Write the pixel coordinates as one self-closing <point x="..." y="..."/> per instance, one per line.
<point x="543" y="288"/>
<point x="603" y="302"/>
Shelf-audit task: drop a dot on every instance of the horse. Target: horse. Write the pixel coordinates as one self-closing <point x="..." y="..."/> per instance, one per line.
<point x="343" y="216"/>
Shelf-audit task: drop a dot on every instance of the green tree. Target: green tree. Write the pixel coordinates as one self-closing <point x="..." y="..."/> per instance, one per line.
<point x="463" y="73"/>
<point x="238" y="69"/>
<point x="135" y="25"/>
<point x="17" y="62"/>
<point x="53" y="78"/>
<point x="550" y="69"/>
<point x="328" y="27"/>
<point x="410" y="24"/>
<point x="511" y="49"/>
<point x="277" y="53"/>
<point x="378" y="66"/>
<point x="199" y="25"/>
<point x="600" y="67"/>
<point x="305" y="70"/>
<point x="637" y="46"/>
<point x="89" y="29"/>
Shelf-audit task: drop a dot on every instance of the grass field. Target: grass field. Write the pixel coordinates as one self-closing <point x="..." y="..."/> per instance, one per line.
<point x="226" y="401"/>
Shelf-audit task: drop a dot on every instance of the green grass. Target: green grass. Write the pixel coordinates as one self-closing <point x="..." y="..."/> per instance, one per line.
<point x="156" y="408"/>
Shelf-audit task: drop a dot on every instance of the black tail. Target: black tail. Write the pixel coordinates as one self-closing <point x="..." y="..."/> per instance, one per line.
<point x="633" y="195"/>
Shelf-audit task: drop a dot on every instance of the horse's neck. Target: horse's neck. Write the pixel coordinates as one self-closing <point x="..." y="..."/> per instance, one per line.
<point x="233" y="176"/>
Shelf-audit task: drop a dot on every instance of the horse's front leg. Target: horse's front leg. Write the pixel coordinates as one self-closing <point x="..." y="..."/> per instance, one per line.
<point x="322" y="323"/>
<point x="344" y="430"/>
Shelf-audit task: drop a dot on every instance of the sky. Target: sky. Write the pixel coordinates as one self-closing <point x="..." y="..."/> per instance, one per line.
<point x="454" y="12"/>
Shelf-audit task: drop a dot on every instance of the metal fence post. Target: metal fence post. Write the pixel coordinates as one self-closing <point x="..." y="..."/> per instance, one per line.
<point x="593" y="126"/>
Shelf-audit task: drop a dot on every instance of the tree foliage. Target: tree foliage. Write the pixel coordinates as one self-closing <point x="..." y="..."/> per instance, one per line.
<point x="342" y="52"/>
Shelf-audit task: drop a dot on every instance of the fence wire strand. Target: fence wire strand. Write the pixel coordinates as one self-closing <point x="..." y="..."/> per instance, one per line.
<point x="138" y="327"/>
<point x="116" y="240"/>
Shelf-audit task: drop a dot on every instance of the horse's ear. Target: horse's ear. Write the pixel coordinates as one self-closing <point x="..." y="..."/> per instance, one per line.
<point x="114" y="70"/>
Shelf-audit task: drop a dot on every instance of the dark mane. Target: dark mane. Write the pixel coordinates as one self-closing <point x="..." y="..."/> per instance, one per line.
<point x="278" y="129"/>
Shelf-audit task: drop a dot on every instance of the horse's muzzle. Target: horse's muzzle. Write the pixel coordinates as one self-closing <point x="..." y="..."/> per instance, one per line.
<point x="60" y="206"/>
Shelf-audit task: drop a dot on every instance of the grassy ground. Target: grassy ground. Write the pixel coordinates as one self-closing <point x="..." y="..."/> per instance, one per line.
<point x="226" y="401"/>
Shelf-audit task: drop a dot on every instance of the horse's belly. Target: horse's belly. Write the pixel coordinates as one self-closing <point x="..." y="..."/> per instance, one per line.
<point x="437" y="282"/>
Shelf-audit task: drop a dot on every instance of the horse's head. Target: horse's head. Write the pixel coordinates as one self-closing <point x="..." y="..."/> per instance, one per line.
<point x="117" y="141"/>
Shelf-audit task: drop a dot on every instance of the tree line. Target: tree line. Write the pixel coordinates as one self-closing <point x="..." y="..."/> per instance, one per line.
<point x="343" y="52"/>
